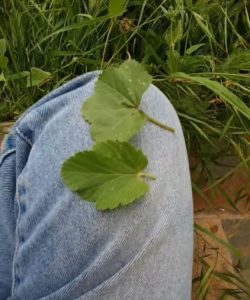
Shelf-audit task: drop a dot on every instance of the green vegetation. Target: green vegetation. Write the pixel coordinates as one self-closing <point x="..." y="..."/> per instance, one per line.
<point x="110" y="174"/>
<point x="198" y="52"/>
<point x="46" y="43"/>
<point x="113" y="109"/>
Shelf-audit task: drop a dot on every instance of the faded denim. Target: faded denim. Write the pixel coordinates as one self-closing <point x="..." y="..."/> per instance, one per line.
<point x="55" y="246"/>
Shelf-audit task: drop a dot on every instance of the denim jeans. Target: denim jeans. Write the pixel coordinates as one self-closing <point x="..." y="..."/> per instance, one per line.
<point x="53" y="245"/>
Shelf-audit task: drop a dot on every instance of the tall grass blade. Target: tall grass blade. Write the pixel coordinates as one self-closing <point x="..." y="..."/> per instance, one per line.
<point x="219" y="90"/>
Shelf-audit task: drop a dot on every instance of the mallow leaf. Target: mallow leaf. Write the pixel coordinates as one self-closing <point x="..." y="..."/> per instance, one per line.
<point x="113" y="111"/>
<point x="111" y="174"/>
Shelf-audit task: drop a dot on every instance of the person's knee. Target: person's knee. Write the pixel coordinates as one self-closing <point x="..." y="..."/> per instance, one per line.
<point x="98" y="247"/>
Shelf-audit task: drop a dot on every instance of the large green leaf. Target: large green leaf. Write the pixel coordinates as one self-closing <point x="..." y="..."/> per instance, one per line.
<point x="113" y="111"/>
<point x="219" y="90"/>
<point x="110" y="174"/>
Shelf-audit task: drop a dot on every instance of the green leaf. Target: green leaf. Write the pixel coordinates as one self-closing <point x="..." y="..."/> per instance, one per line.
<point x="204" y="284"/>
<point x="113" y="111"/>
<point x="193" y="48"/>
<point x="19" y="75"/>
<point x="111" y="174"/>
<point x="2" y="47"/>
<point x="3" y="59"/>
<point x="204" y="25"/>
<point x="3" y="62"/>
<point x="117" y="7"/>
<point x="219" y="90"/>
<point x="2" y="78"/>
<point x="37" y="77"/>
<point x="173" y="61"/>
<point x="174" y="35"/>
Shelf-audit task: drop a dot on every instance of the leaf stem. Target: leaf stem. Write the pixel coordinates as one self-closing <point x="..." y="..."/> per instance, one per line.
<point x="106" y="42"/>
<point x="159" y="124"/>
<point x="148" y="175"/>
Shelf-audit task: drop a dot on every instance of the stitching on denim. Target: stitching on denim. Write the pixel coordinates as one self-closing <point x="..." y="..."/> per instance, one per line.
<point x="17" y="240"/>
<point x="25" y="139"/>
<point x="22" y="136"/>
<point x="5" y="154"/>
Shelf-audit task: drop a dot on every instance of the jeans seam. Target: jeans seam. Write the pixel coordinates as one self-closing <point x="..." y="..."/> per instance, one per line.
<point x="22" y="136"/>
<point x="17" y="240"/>
<point x="26" y="140"/>
<point x="5" y="154"/>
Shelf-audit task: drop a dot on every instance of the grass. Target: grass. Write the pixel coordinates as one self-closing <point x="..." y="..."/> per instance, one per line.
<point x="197" y="50"/>
<point x="211" y="281"/>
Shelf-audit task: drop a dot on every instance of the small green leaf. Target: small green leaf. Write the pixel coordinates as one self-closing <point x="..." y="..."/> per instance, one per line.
<point x="3" y="47"/>
<point x="37" y="77"/>
<point x="117" y="7"/>
<point x="19" y="75"/>
<point x="174" y="35"/>
<point x="113" y="111"/>
<point x="3" y="59"/>
<point x="3" y="62"/>
<point x="193" y="48"/>
<point x="205" y="26"/>
<point x="111" y="174"/>
<point x="2" y="78"/>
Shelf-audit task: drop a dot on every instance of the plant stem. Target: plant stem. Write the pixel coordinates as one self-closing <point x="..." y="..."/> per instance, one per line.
<point x="148" y="175"/>
<point x="159" y="124"/>
<point x="106" y="42"/>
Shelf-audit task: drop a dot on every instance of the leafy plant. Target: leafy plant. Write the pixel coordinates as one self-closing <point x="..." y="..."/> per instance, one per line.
<point x="113" y="110"/>
<point x="111" y="174"/>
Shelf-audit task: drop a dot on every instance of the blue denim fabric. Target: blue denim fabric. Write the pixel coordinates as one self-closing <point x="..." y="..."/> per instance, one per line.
<point x="55" y="246"/>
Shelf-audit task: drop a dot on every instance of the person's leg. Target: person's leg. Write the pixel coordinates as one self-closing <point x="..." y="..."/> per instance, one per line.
<point x="64" y="248"/>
